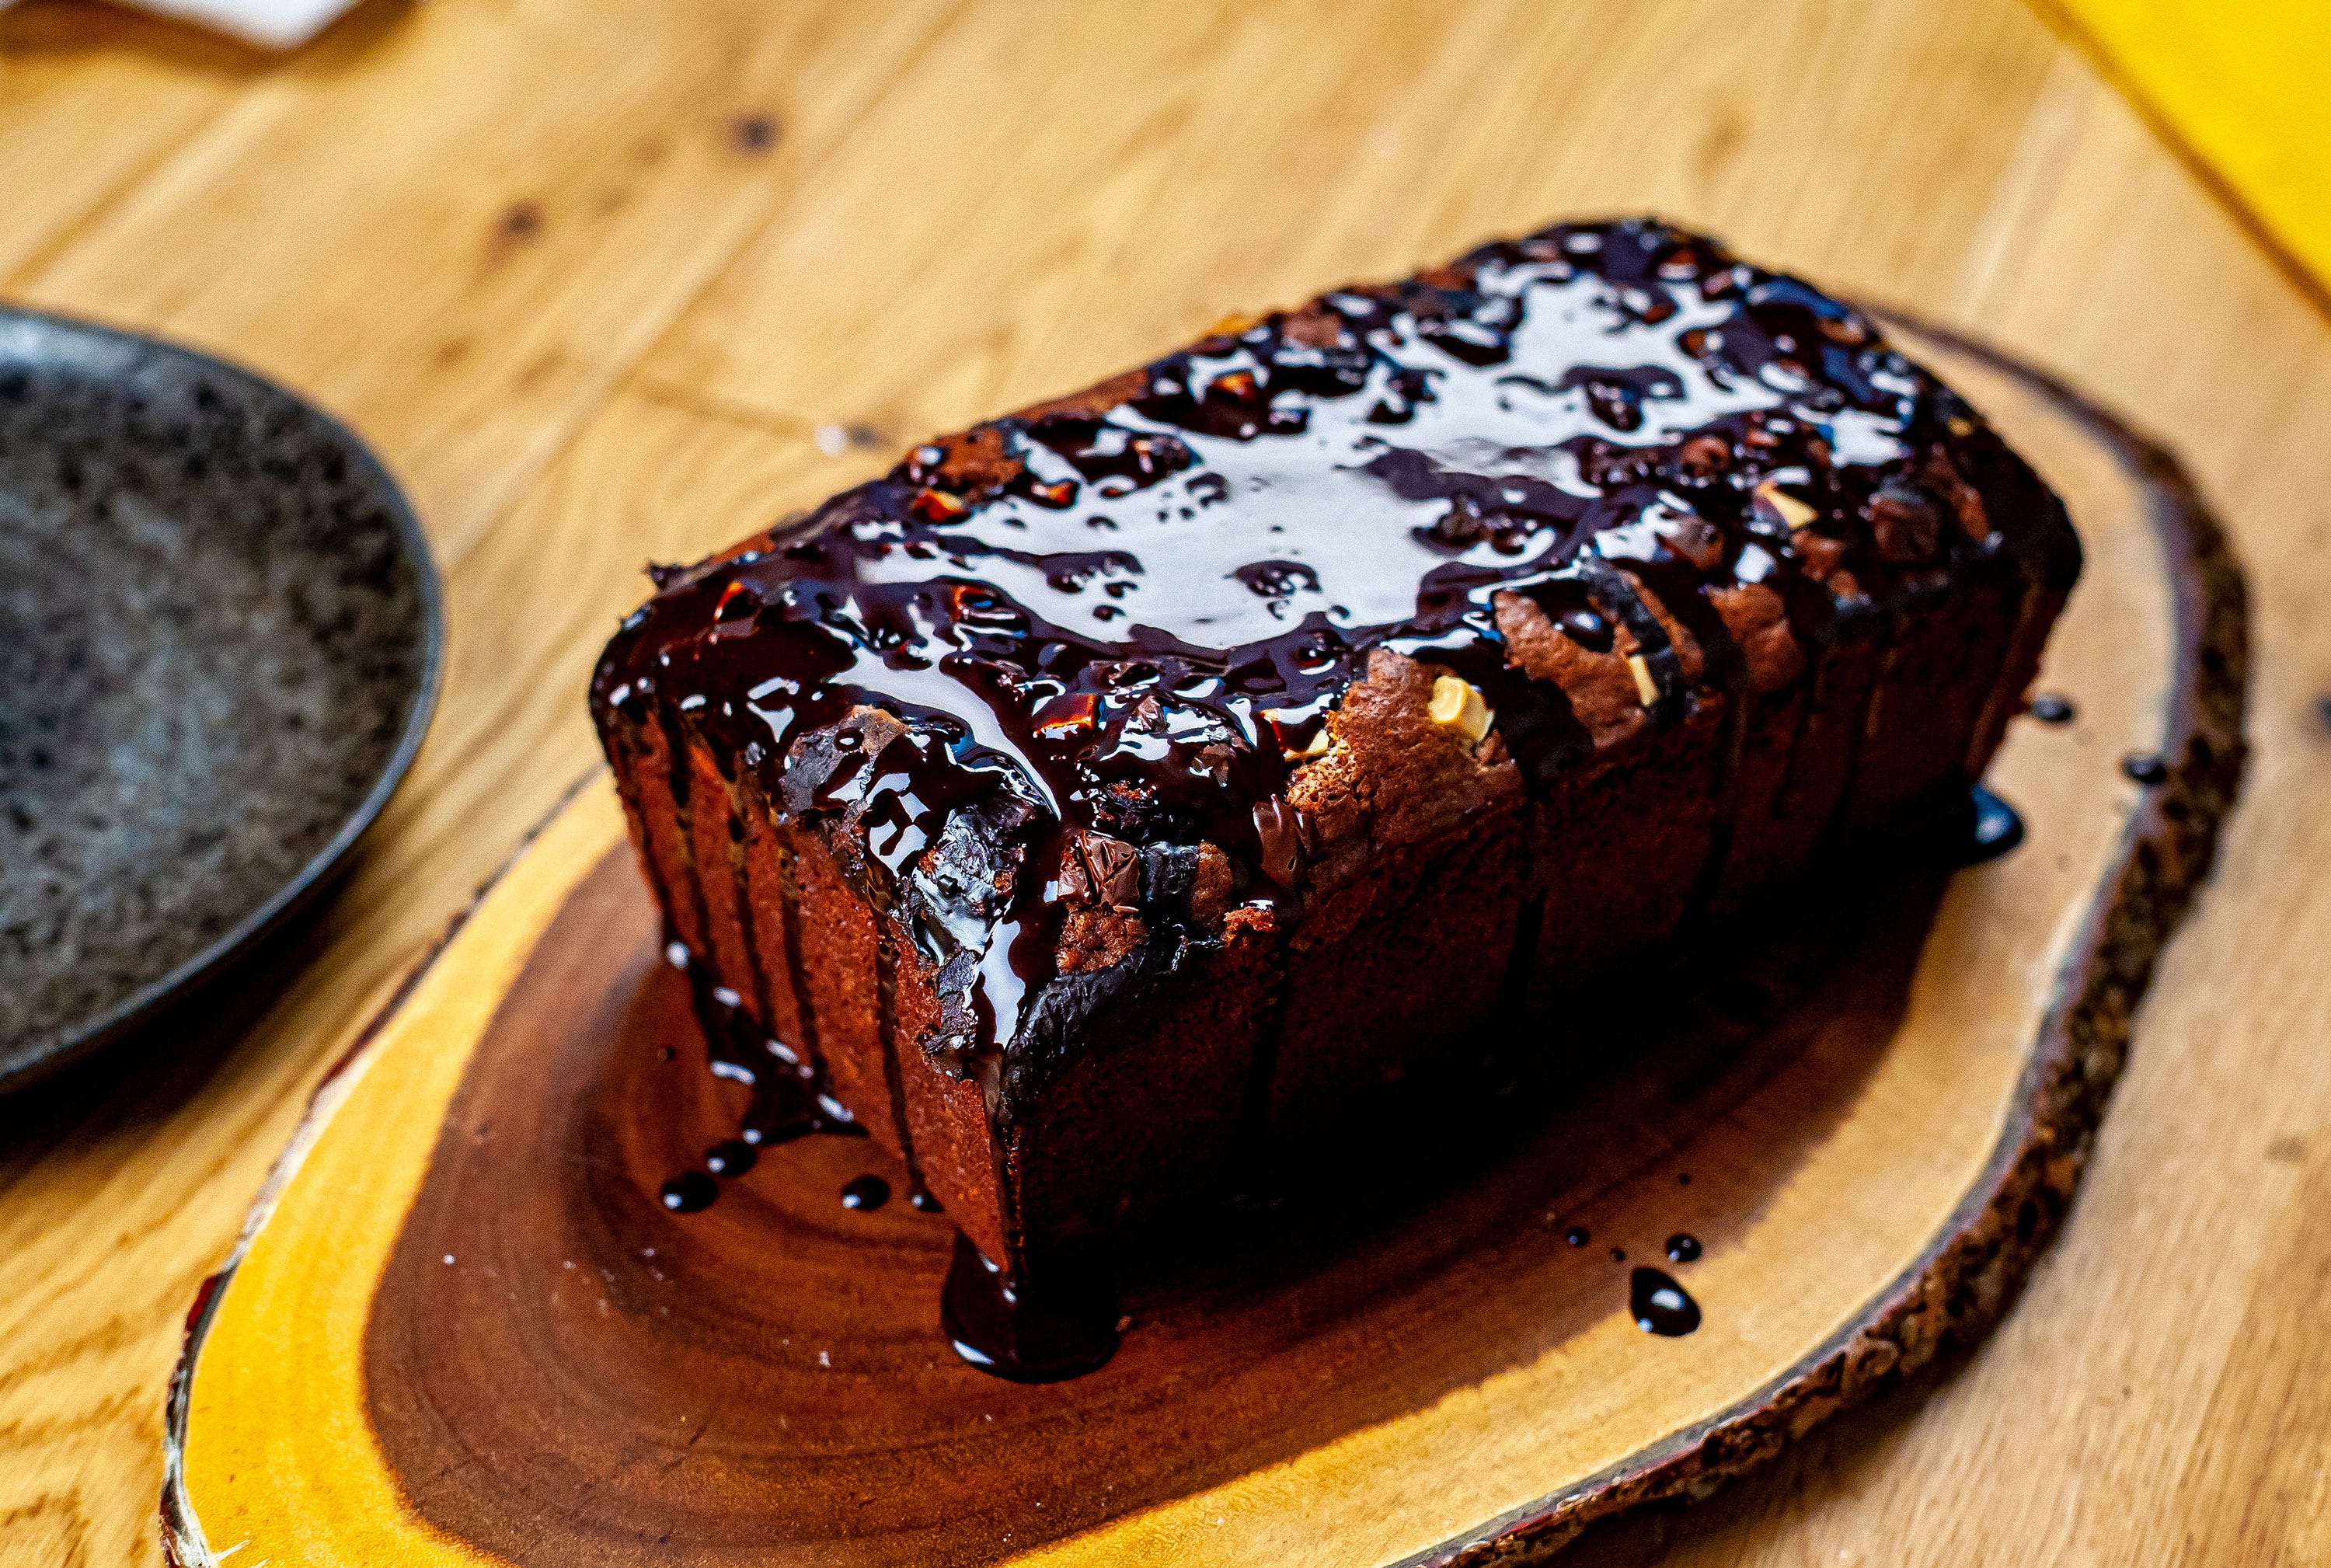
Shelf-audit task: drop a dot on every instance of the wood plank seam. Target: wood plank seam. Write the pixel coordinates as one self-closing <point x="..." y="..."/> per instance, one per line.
<point x="665" y="392"/>
<point x="93" y="217"/>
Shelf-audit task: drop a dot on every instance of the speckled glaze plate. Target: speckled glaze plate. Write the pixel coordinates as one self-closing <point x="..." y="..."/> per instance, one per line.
<point x="220" y="632"/>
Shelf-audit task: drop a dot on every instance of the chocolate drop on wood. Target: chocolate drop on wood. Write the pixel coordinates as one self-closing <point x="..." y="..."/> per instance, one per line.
<point x="1660" y="1305"/>
<point x="1993" y="827"/>
<point x="731" y="1157"/>
<point x="689" y="1192"/>
<point x="1028" y="1337"/>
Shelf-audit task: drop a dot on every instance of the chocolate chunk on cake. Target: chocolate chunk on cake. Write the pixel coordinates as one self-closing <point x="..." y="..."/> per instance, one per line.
<point x="1142" y="778"/>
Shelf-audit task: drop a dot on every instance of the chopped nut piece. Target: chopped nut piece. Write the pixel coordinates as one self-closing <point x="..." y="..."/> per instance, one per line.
<point x="1112" y="869"/>
<point x="1316" y="747"/>
<point x="1959" y="427"/>
<point x="1074" y="884"/>
<point x="1791" y="512"/>
<point x="1457" y="705"/>
<point x="1236" y="322"/>
<point x="1904" y="523"/>
<point x="937" y="506"/>
<point x="1645" y="686"/>
<point x="1283" y="832"/>
<point x="1703" y="455"/>
<point x="1695" y="540"/>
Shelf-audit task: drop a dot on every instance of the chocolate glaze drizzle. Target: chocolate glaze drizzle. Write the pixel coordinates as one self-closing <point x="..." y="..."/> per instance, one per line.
<point x="1121" y="620"/>
<point x="1072" y="659"/>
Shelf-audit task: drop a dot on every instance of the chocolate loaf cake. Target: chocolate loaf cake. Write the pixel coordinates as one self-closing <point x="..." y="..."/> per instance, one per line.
<point x="1132" y="781"/>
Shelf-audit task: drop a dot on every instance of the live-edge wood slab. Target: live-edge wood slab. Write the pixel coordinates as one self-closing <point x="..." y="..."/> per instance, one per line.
<point x="462" y="1329"/>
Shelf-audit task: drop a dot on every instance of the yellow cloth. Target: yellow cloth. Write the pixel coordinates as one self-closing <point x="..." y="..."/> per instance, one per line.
<point x="2245" y="86"/>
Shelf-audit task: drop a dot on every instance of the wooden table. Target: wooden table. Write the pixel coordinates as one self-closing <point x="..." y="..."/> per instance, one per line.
<point x="612" y="280"/>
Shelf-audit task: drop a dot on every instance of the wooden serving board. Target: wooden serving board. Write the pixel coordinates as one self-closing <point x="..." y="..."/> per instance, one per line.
<point x="462" y="1329"/>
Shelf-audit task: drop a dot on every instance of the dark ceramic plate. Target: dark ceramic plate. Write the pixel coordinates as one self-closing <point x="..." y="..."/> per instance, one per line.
<point x="219" y="643"/>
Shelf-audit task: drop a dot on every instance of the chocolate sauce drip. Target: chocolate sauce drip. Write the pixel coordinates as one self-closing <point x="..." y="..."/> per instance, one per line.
<point x="1683" y="1248"/>
<point x="731" y="1157"/>
<point x="1513" y="983"/>
<point x="791" y="1097"/>
<point x="681" y="779"/>
<point x="1129" y="614"/>
<point x="1001" y="1325"/>
<point x="689" y="1192"/>
<point x="796" y="967"/>
<point x="886" y="983"/>
<point x="1262" y="1067"/>
<point x="2049" y="708"/>
<point x="2145" y="767"/>
<point x="746" y="921"/>
<point x="1660" y="1304"/>
<point x="1988" y="828"/>
<point x="865" y="1193"/>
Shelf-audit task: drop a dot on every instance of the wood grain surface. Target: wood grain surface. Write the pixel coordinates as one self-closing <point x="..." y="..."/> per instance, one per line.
<point x="610" y="280"/>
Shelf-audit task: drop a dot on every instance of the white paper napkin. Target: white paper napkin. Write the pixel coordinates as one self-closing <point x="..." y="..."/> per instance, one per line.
<point x="269" y="24"/>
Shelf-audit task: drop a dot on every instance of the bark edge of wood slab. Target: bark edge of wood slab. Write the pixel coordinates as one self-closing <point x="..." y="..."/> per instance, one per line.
<point x="271" y="1422"/>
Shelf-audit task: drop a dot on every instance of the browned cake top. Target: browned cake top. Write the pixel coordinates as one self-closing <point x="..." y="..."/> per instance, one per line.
<point x="1085" y="653"/>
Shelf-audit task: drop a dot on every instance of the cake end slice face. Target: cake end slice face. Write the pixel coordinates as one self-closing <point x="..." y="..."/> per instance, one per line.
<point x="1129" y="786"/>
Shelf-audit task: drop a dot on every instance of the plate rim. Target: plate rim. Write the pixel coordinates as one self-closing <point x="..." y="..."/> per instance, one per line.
<point x="320" y="870"/>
